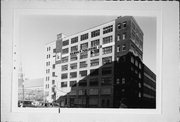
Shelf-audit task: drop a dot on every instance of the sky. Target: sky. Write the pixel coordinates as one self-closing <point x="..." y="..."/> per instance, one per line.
<point x="37" y="30"/>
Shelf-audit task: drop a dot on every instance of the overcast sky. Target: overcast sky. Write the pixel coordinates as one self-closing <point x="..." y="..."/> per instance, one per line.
<point x="36" y="31"/>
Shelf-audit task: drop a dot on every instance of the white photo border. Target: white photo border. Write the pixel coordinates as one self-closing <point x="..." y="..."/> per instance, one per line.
<point x="132" y="12"/>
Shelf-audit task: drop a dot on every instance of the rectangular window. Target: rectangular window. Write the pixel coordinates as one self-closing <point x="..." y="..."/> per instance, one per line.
<point x="64" y="67"/>
<point x="73" y="66"/>
<point x="53" y="81"/>
<point x="107" y="50"/>
<point x="66" y="42"/>
<point x="108" y="29"/>
<point x="95" y="33"/>
<point x="93" y="91"/>
<point x="107" y="71"/>
<point x="95" y="43"/>
<point x="95" y="62"/>
<point x="63" y="84"/>
<point x="94" y="52"/>
<point x="124" y="47"/>
<point x="106" y="81"/>
<point x="82" y="83"/>
<point x="132" y="60"/>
<point x="94" y="72"/>
<point x="124" y="24"/>
<point x="106" y="60"/>
<point x="84" y="46"/>
<point x="119" y="26"/>
<point x="83" y="64"/>
<point x="83" y="73"/>
<point x="74" y="48"/>
<point x="64" y="76"/>
<point x="65" y="51"/>
<point x="84" y="36"/>
<point x="64" y="59"/>
<point x="83" y="55"/>
<point x="73" y="74"/>
<point x="93" y="82"/>
<point x="73" y="57"/>
<point x="107" y="39"/>
<point x="118" y="48"/>
<point x="118" y="37"/>
<point x="53" y="74"/>
<point x="124" y="36"/>
<point x="74" y="40"/>
<point x="73" y="83"/>
<point x="53" y="66"/>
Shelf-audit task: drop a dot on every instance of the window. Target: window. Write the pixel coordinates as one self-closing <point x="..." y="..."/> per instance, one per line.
<point x="107" y="39"/>
<point x="124" y="47"/>
<point x="74" y="48"/>
<point x="93" y="82"/>
<point x="82" y="83"/>
<point x="73" y="74"/>
<point x="95" y="43"/>
<point x="64" y="76"/>
<point x="124" y="24"/>
<point x="139" y="75"/>
<point x="93" y="91"/>
<point x="95" y="33"/>
<point x="73" y="66"/>
<point x="132" y="60"/>
<point x="118" y="48"/>
<point x="118" y="37"/>
<point x="84" y="46"/>
<point x="123" y="80"/>
<point x="139" y="66"/>
<point x="65" y="51"/>
<point x="119" y="26"/>
<point x="53" y="81"/>
<point x="108" y="29"/>
<point x="136" y="63"/>
<point x="124" y="36"/>
<point x="106" y="81"/>
<point x="84" y="36"/>
<point x="74" y="40"/>
<point x="73" y="83"/>
<point x="83" y="73"/>
<point x="73" y="57"/>
<point x="53" y="66"/>
<point x="53" y="74"/>
<point x="107" y="50"/>
<point x="66" y="42"/>
<point x="64" y="67"/>
<point x="107" y="71"/>
<point x="63" y="84"/>
<point x="83" y="64"/>
<point x="94" y="72"/>
<point x="94" y="62"/>
<point x="83" y="55"/>
<point x="64" y="59"/>
<point x="94" y="52"/>
<point x="107" y="60"/>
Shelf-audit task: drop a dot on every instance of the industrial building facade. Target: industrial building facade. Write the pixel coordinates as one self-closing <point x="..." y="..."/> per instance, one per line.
<point x="101" y="67"/>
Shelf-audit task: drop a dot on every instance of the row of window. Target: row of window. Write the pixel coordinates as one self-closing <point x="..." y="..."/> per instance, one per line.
<point x="93" y="72"/>
<point x="83" y="55"/>
<point x="85" y="36"/>
<point x="83" y="64"/>
<point x="94" y="43"/>
<point x="122" y="25"/>
<point x="92" y="82"/>
<point x="136" y="62"/>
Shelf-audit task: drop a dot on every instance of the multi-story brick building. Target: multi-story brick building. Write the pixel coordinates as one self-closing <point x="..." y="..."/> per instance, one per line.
<point x="94" y="68"/>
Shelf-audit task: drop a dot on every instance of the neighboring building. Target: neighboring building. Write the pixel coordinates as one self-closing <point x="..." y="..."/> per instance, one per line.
<point x="33" y="90"/>
<point x="94" y="68"/>
<point x="49" y="79"/>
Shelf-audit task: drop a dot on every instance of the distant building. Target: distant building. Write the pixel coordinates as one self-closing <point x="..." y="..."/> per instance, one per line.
<point x="101" y="67"/>
<point x="33" y="90"/>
